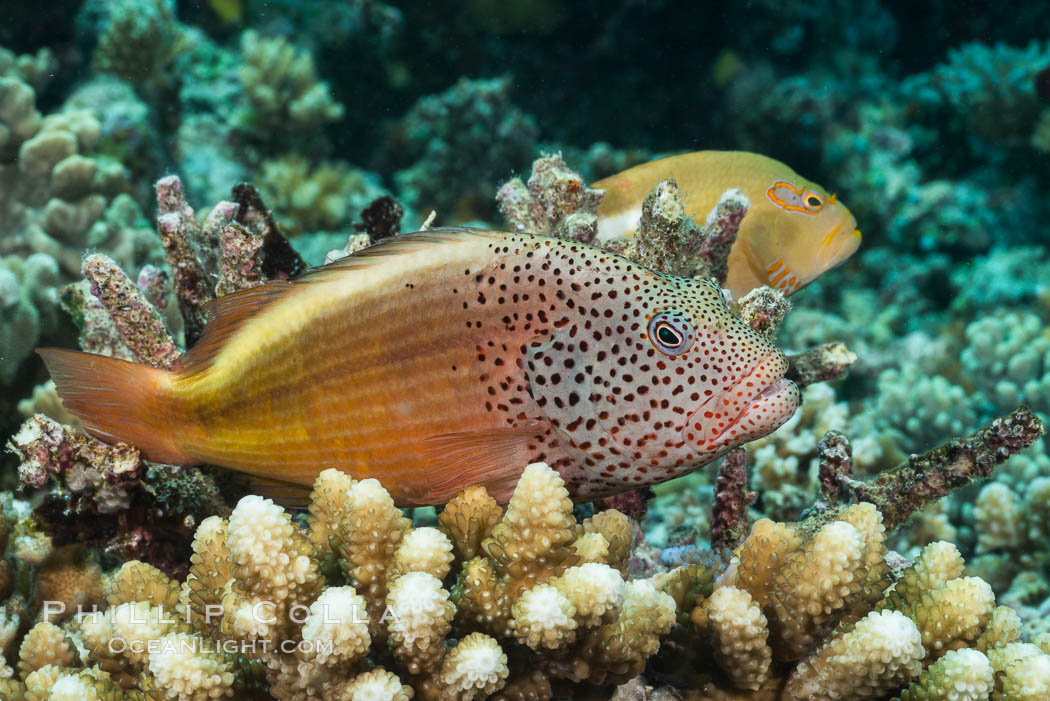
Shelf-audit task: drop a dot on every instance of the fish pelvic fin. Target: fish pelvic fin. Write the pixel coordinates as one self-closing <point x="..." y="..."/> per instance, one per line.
<point x="290" y="495"/>
<point x="119" y="402"/>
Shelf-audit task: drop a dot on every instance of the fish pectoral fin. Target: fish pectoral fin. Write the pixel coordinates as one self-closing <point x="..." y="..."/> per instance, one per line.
<point x="493" y="458"/>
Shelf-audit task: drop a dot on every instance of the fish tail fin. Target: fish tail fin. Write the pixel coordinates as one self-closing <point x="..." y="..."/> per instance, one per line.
<point x="119" y="401"/>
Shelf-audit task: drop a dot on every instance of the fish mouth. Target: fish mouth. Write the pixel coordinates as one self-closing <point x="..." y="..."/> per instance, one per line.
<point x="758" y="404"/>
<point x="840" y="243"/>
<point x="767" y="411"/>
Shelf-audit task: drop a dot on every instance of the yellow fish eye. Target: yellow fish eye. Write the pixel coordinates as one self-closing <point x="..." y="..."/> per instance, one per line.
<point x="813" y="200"/>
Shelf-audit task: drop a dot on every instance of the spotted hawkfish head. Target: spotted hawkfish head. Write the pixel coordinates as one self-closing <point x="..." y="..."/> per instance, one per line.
<point x="655" y="379"/>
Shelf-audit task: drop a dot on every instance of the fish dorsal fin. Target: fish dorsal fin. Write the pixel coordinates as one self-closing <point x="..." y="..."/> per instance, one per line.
<point x="493" y="458"/>
<point x="224" y="316"/>
<point x="402" y="244"/>
<point x="227" y="314"/>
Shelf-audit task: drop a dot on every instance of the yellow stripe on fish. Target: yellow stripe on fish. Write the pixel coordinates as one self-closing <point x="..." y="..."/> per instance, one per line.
<point x="437" y="361"/>
<point x="791" y="220"/>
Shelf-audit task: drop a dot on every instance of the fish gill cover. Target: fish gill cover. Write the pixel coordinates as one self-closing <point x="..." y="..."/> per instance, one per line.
<point x="887" y="538"/>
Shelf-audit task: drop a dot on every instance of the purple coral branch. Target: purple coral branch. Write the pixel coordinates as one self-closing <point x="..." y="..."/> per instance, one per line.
<point x="718" y="234"/>
<point x="729" y="524"/>
<point x="905" y="489"/>
<point x="136" y="320"/>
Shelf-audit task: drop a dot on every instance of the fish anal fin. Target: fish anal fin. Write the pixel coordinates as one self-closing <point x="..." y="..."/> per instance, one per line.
<point x="491" y="458"/>
<point x="287" y="494"/>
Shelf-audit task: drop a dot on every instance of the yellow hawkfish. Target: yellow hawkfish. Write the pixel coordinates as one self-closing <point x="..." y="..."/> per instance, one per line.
<point x="793" y="232"/>
<point x="456" y="357"/>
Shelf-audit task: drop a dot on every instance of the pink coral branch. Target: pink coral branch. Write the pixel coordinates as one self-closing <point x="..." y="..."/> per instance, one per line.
<point x="729" y="524"/>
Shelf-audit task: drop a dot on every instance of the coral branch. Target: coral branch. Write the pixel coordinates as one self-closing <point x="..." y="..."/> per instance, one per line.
<point x="178" y="228"/>
<point x="670" y="241"/>
<point x="763" y="308"/>
<point x="666" y="234"/>
<point x="718" y="234"/>
<point x="556" y="202"/>
<point x="836" y="464"/>
<point x="732" y="498"/>
<point x="239" y="260"/>
<point x="924" y="478"/>
<point x="825" y="363"/>
<point x="278" y="259"/>
<point x="136" y="320"/>
<point x="381" y="218"/>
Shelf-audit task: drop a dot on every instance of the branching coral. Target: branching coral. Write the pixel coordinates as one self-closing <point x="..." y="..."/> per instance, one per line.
<point x="57" y="196"/>
<point x="55" y="189"/>
<point x="555" y="202"/>
<point x="282" y="94"/>
<point x="1008" y="357"/>
<point x="539" y="600"/>
<point x="327" y="197"/>
<point x="454" y="147"/>
<point x="922" y="409"/>
<point x="991" y="87"/>
<point x="780" y="585"/>
<point x="28" y="307"/>
<point x="255" y="601"/>
<point x="139" y="42"/>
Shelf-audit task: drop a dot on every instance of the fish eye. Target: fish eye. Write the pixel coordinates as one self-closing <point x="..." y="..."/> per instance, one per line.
<point x="814" y="201"/>
<point x="670" y="334"/>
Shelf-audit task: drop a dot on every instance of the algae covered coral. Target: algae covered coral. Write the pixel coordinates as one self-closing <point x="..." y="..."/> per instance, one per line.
<point x="353" y="122"/>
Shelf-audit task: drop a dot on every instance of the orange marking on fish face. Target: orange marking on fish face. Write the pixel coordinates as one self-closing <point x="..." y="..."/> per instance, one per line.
<point x="830" y="235"/>
<point x="774" y="266"/>
<point x="788" y="196"/>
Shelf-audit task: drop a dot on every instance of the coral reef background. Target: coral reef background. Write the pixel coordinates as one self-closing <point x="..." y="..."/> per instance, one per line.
<point x="353" y="121"/>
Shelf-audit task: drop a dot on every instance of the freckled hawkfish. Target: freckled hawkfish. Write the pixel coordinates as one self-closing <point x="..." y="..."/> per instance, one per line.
<point x="449" y="358"/>
<point x="794" y="230"/>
